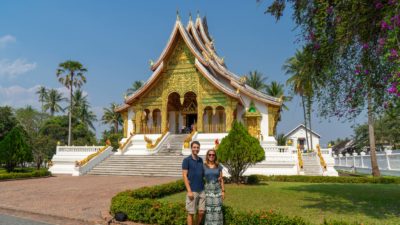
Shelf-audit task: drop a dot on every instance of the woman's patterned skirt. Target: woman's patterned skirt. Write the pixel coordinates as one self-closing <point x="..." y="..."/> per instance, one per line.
<point x="213" y="203"/>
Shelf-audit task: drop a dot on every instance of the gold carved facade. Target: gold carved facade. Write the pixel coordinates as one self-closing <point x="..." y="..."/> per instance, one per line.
<point x="181" y="76"/>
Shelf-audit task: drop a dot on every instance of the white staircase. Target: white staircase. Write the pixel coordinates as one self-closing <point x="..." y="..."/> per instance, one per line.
<point x="166" y="162"/>
<point x="311" y="164"/>
<point x="176" y="142"/>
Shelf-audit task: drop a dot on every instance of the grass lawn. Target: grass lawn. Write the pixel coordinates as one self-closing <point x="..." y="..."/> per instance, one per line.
<point x="362" y="203"/>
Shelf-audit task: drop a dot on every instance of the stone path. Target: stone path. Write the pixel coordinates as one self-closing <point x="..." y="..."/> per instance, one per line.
<point x="67" y="199"/>
<point x="11" y="220"/>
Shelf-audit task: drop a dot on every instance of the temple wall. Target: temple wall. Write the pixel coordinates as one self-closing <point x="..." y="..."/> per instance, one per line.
<point x="262" y="108"/>
<point x="131" y="117"/>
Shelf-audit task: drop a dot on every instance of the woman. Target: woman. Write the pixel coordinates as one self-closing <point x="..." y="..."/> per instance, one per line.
<point x="214" y="189"/>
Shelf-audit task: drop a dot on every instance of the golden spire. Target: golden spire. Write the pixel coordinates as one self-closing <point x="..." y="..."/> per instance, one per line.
<point x="190" y="16"/>
<point x="178" y="18"/>
<point x="198" y="14"/>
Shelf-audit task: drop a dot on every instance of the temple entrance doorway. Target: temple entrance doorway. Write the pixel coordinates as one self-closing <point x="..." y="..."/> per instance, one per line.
<point x="191" y="120"/>
<point x="182" y="112"/>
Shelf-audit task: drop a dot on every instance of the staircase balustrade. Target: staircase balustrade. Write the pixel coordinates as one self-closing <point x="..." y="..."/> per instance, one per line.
<point x="321" y="158"/>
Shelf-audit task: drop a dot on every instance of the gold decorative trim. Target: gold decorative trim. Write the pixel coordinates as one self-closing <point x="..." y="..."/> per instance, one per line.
<point x="123" y="146"/>
<point x="301" y="164"/>
<point x="89" y="157"/>
<point x="321" y="159"/>
<point x="149" y="142"/>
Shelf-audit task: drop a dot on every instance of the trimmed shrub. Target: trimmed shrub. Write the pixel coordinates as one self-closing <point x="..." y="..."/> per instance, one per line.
<point x="18" y="175"/>
<point x="323" y="179"/>
<point x="253" y="179"/>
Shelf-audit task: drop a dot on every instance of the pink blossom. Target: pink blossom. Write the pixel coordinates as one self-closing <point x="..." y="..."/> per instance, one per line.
<point x="384" y="25"/>
<point x="392" y="89"/>
<point x="329" y="10"/>
<point x="381" y="41"/>
<point x="379" y="5"/>
<point x="365" y="46"/>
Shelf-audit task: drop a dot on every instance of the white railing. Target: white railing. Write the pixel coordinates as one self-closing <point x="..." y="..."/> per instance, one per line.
<point x="278" y="149"/>
<point x="74" y="149"/>
<point x="82" y="170"/>
<point x="386" y="161"/>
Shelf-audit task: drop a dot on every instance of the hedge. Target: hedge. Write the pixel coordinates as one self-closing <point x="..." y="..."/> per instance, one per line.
<point x="20" y="175"/>
<point x="326" y="179"/>
<point x="142" y="206"/>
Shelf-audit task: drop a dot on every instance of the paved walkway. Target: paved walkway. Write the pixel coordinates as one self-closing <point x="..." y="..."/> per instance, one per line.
<point x="72" y="200"/>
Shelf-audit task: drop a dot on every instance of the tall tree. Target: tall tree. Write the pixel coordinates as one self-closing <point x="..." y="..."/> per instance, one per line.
<point x="7" y="121"/>
<point x="71" y="74"/>
<point x="300" y="82"/>
<point x="42" y="92"/>
<point x="52" y="102"/>
<point x="256" y="80"/>
<point x="135" y="86"/>
<point x="355" y="44"/>
<point x="277" y="90"/>
<point x="81" y="109"/>
<point x="112" y="117"/>
<point x="32" y="120"/>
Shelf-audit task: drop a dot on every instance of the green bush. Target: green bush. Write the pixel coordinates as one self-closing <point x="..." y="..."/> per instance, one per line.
<point x="142" y="206"/>
<point x="18" y="175"/>
<point x="323" y="179"/>
<point x="253" y="179"/>
<point x="238" y="151"/>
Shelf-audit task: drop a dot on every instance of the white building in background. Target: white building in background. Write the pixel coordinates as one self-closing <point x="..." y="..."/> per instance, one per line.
<point x="298" y="136"/>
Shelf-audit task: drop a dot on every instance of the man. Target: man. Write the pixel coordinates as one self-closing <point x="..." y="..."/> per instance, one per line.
<point x="192" y="171"/>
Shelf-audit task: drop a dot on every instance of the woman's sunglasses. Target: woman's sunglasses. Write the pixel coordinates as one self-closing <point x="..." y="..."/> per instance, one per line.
<point x="211" y="154"/>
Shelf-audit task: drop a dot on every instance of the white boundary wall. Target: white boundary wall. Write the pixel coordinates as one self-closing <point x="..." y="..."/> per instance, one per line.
<point x="388" y="162"/>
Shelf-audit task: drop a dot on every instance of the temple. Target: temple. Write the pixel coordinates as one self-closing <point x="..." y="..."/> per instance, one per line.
<point x="191" y="95"/>
<point x="191" y="89"/>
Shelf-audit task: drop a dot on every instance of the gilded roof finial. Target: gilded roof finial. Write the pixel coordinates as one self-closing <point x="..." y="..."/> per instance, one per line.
<point x="151" y="62"/>
<point x="198" y="14"/>
<point x="177" y="15"/>
<point x="190" y="16"/>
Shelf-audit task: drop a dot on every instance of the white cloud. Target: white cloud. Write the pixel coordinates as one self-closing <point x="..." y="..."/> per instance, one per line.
<point x="16" y="67"/>
<point x="6" y="40"/>
<point x="17" y="96"/>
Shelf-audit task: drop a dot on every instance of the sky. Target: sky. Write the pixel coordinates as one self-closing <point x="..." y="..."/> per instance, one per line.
<point x="115" y="40"/>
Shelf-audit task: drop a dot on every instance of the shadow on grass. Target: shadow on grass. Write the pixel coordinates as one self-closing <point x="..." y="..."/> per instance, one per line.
<point x="379" y="201"/>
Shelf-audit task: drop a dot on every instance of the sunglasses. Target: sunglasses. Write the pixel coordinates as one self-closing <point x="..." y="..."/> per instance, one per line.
<point x="211" y="154"/>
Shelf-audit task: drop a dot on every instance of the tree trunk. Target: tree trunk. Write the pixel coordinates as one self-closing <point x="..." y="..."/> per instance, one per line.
<point x="116" y="127"/>
<point x="305" y="121"/>
<point x="70" y="114"/>
<point x="374" y="162"/>
<point x="309" y="120"/>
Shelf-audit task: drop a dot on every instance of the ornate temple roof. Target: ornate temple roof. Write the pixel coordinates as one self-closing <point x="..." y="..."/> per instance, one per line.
<point x="207" y="61"/>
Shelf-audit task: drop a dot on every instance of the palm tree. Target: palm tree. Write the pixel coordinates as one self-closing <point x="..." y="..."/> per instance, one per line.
<point x="112" y="117"/>
<point x="52" y="101"/>
<point x="256" y="80"/>
<point x="70" y="74"/>
<point x="276" y="90"/>
<point x="42" y="92"/>
<point x="135" y="86"/>
<point x="301" y="82"/>
<point x="81" y="109"/>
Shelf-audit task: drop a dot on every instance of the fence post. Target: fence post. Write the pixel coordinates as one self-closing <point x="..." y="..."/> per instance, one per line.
<point x="388" y="152"/>
<point x="347" y="155"/>
<point x="362" y="159"/>
<point x="354" y="159"/>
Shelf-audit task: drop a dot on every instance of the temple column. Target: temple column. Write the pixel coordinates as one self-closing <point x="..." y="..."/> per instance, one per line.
<point x="200" y="111"/>
<point x="138" y="122"/>
<point x="229" y="114"/>
<point x="125" y="119"/>
<point x="164" y="116"/>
